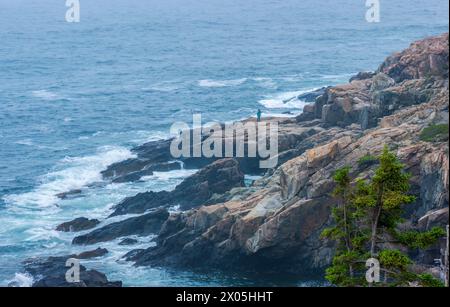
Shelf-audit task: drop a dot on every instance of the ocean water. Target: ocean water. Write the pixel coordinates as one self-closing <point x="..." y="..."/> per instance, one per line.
<point x="75" y="97"/>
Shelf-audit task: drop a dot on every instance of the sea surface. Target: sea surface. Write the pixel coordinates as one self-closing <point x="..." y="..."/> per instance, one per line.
<point x="75" y="97"/>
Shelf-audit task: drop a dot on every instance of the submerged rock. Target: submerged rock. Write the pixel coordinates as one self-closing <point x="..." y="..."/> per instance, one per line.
<point x="69" y="194"/>
<point x="128" y="241"/>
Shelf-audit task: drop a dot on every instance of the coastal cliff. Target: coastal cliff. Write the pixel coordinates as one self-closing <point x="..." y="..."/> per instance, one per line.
<point x="274" y="224"/>
<point x="277" y="226"/>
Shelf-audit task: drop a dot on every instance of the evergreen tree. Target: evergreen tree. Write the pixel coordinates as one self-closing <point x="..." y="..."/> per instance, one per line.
<point x="366" y="218"/>
<point x="345" y="232"/>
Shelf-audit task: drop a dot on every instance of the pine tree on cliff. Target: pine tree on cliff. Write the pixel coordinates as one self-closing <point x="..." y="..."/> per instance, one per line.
<point x="345" y="232"/>
<point x="366" y="221"/>
<point x="384" y="196"/>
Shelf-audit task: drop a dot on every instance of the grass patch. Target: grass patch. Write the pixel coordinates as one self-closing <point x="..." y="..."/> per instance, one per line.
<point x="435" y="133"/>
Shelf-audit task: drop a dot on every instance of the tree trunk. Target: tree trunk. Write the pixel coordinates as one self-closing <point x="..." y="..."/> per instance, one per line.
<point x="373" y="239"/>
<point x="375" y="220"/>
<point x="347" y="232"/>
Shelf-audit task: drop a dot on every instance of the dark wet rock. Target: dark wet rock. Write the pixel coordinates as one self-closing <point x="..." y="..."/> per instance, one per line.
<point x="135" y="176"/>
<point x="142" y="202"/>
<point x="148" y="154"/>
<point x="78" y="224"/>
<point x="216" y="178"/>
<point x="99" y="252"/>
<point x="69" y="194"/>
<point x="51" y="272"/>
<point x="151" y="157"/>
<point x="143" y="225"/>
<point x="148" y="171"/>
<point x="128" y="241"/>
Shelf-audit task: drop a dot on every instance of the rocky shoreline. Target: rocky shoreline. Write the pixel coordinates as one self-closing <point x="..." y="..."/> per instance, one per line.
<point x="274" y="225"/>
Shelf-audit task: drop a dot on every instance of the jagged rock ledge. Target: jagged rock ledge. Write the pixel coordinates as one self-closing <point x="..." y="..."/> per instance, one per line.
<point x="278" y="224"/>
<point x="51" y="271"/>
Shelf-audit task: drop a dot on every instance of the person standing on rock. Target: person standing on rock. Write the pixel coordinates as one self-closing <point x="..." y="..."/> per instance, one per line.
<point x="258" y="115"/>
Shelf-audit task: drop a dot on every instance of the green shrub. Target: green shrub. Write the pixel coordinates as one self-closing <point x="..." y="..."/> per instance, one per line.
<point x="394" y="259"/>
<point x="421" y="240"/>
<point x="427" y="280"/>
<point x="435" y="133"/>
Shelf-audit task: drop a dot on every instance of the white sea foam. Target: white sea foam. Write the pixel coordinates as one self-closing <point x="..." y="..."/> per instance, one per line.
<point x="287" y="100"/>
<point x="221" y="83"/>
<point x="46" y="95"/>
<point x="171" y="175"/>
<point x="26" y="142"/>
<point x="22" y="280"/>
<point x="286" y="115"/>
<point x="292" y="78"/>
<point x="137" y="137"/>
<point x="174" y="209"/>
<point x="29" y="142"/>
<point x="72" y="173"/>
<point x="265" y="82"/>
<point x="42" y="234"/>
<point x="252" y="177"/>
<point x="339" y="77"/>
<point x="143" y="136"/>
<point x="165" y="86"/>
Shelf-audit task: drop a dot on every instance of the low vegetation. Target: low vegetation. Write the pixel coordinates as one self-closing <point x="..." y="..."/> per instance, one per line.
<point x="435" y="133"/>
